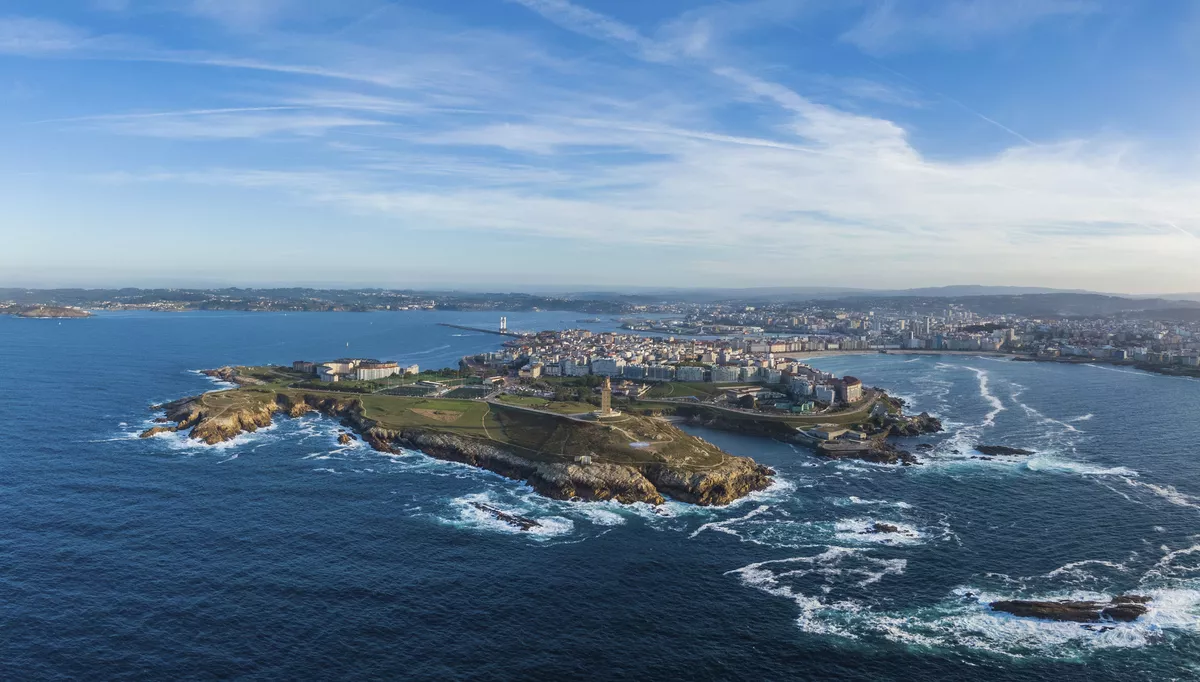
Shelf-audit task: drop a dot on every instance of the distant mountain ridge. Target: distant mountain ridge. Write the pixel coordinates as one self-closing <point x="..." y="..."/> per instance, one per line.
<point x="987" y="300"/>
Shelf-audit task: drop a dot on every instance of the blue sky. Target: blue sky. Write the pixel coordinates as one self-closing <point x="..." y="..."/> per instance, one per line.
<point x="484" y="143"/>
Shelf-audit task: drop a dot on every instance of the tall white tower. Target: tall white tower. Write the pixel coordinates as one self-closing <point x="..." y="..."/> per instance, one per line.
<point x="503" y="324"/>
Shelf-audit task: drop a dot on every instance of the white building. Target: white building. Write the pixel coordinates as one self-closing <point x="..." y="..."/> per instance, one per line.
<point x="723" y="374"/>
<point x="607" y="367"/>
<point x="825" y="394"/>
<point x="689" y="373"/>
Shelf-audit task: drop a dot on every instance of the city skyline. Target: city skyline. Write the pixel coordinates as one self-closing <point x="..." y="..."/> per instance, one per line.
<point x="870" y="145"/>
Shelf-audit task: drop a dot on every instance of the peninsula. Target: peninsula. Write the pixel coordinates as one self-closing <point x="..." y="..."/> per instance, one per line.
<point x="623" y="457"/>
<point x="43" y="311"/>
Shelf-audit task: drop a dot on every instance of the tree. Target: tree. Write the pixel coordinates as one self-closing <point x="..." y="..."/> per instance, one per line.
<point x="747" y="402"/>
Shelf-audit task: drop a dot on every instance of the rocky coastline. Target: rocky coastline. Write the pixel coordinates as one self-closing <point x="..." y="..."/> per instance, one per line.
<point x="878" y="448"/>
<point x="651" y="483"/>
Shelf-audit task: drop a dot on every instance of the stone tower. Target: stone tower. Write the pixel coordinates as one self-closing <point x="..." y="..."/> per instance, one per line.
<point x="606" y="397"/>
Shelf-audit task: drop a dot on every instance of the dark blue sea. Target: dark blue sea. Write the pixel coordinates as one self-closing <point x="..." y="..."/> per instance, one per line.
<point x="284" y="556"/>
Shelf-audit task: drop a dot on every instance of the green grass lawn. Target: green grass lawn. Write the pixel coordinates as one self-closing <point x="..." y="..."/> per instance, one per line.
<point x="565" y="407"/>
<point x="683" y="389"/>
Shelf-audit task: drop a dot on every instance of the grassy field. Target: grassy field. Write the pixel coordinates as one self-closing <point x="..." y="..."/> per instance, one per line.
<point x="273" y="374"/>
<point x="683" y="389"/>
<point x="469" y="392"/>
<point x="548" y="405"/>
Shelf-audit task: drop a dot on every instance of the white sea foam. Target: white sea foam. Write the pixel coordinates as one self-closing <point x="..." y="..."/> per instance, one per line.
<point x="862" y="531"/>
<point x="427" y="351"/>
<point x="223" y="385"/>
<point x="1166" y="492"/>
<point x="854" y="499"/>
<point x="964" y="619"/>
<point x="177" y="440"/>
<point x="1117" y="369"/>
<point x="1043" y="419"/>
<point x="997" y="405"/>
<point x="725" y="526"/>
<point x="1079" y="568"/>
<point x="797" y="577"/>
<point x="1052" y="464"/>
<point x="1172" y="567"/>
<point x="471" y="517"/>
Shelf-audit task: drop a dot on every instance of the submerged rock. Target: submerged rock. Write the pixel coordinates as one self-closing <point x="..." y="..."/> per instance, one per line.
<point x="511" y="519"/>
<point x="1124" y="608"/>
<point x="1002" y="450"/>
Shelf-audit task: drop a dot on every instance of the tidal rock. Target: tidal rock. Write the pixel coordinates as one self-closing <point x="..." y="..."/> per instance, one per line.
<point x="345" y="438"/>
<point x="878" y="527"/>
<point x="1002" y="451"/>
<point x="1123" y="608"/>
<point x="511" y="519"/>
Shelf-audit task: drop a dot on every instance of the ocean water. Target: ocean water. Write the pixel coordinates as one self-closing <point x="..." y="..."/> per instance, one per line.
<point x="283" y="555"/>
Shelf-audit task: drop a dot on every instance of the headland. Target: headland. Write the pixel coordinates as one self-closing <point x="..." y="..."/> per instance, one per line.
<point x="44" y="311"/>
<point x="629" y="459"/>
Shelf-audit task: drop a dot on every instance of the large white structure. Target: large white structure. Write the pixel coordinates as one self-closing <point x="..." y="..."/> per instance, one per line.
<point x="825" y="394"/>
<point x="359" y="369"/>
<point x="724" y="374"/>
<point x="607" y="367"/>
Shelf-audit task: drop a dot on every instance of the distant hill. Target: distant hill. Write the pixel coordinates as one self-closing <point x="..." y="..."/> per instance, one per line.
<point x="1028" y="305"/>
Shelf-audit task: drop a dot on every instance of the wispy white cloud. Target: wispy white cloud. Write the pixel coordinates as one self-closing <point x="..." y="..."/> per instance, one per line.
<point x="891" y="25"/>
<point x="583" y="20"/>
<point x="239" y="14"/>
<point x="234" y="123"/>
<point x="32" y="36"/>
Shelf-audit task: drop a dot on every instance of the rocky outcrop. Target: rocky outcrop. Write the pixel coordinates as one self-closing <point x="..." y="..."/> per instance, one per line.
<point x="876" y="451"/>
<point x="346" y="439"/>
<point x="231" y="375"/>
<point x="514" y="520"/>
<point x="1002" y="451"/>
<point x="1123" y="608"/>
<point x="735" y="477"/>
<point x="915" y="426"/>
<point x="216" y="425"/>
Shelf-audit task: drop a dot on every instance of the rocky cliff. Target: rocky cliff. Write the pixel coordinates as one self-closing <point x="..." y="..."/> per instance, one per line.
<point x="214" y="422"/>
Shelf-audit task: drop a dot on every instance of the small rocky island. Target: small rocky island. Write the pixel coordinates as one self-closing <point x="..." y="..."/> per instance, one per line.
<point x="1124" y="608"/>
<point x="628" y="458"/>
<point x="1002" y="451"/>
